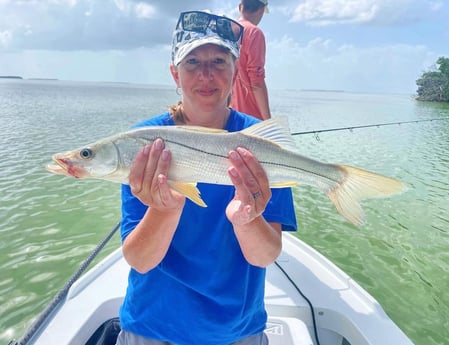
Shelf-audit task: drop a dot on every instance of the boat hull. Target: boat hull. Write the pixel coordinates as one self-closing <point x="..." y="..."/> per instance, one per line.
<point x="340" y="309"/>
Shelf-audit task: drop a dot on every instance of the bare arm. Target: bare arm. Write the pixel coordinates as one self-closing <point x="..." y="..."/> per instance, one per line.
<point x="260" y="92"/>
<point x="147" y="244"/>
<point x="260" y="241"/>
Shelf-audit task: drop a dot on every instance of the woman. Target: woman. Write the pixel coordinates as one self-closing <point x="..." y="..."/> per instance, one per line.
<point x="197" y="274"/>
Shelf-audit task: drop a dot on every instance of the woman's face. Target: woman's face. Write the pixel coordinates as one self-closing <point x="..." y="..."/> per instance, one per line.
<point x="205" y="76"/>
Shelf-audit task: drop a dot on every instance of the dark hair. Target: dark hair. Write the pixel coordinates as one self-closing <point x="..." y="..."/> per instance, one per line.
<point x="252" y="6"/>
<point x="176" y="112"/>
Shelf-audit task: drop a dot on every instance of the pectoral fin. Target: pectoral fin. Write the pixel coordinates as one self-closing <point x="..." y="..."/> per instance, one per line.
<point x="189" y="190"/>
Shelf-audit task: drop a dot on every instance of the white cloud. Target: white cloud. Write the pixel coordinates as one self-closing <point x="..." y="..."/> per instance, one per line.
<point x="141" y="65"/>
<point x="324" y="12"/>
<point x="89" y="24"/>
<point x="376" y="12"/>
<point x="324" y="64"/>
<point x="5" y="39"/>
<point x="129" y="40"/>
<point x="436" y="5"/>
<point x="69" y="3"/>
<point x="144" y="10"/>
<point x="138" y="9"/>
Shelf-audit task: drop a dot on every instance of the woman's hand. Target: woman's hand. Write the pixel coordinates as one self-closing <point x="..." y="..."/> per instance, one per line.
<point x="148" y="179"/>
<point x="252" y="189"/>
<point x="260" y="241"/>
<point x="147" y="244"/>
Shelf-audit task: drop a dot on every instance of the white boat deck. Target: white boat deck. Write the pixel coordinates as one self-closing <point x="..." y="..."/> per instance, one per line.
<point x="344" y="312"/>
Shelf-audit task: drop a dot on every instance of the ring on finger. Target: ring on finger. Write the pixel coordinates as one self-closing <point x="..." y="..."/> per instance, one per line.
<point x="257" y="194"/>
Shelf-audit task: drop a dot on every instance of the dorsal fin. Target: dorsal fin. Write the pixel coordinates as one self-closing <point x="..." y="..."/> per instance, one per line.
<point x="275" y="130"/>
<point x="202" y="129"/>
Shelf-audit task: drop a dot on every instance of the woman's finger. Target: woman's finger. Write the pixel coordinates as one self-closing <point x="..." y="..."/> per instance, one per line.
<point x="137" y="171"/>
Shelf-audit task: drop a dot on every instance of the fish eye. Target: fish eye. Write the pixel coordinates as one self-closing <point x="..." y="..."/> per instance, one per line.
<point x="86" y="153"/>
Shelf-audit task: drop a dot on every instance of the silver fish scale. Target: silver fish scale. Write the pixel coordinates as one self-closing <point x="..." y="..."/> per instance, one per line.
<point x="199" y="156"/>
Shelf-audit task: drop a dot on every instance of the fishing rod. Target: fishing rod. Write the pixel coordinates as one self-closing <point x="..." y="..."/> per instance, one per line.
<point x="350" y="128"/>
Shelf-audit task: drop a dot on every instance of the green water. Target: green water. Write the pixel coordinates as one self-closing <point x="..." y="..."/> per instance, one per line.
<point x="49" y="224"/>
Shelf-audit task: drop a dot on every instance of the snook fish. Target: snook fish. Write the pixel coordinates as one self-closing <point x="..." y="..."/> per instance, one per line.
<point x="201" y="155"/>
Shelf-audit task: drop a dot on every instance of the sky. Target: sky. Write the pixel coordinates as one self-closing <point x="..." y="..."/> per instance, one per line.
<point x="379" y="46"/>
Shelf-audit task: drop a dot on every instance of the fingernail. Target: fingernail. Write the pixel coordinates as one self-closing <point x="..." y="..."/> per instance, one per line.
<point x="233" y="172"/>
<point x="164" y="155"/>
<point x="242" y="151"/>
<point x="233" y="155"/>
<point x="146" y="149"/>
<point x="159" y="144"/>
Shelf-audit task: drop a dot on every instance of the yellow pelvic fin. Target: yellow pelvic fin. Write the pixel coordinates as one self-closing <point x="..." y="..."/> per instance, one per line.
<point x="189" y="190"/>
<point x="284" y="184"/>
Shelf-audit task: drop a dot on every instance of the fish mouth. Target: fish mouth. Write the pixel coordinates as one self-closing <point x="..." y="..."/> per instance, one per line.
<point x="64" y="167"/>
<point x="56" y="169"/>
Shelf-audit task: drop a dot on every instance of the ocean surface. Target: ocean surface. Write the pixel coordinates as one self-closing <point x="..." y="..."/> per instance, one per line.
<point x="49" y="224"/>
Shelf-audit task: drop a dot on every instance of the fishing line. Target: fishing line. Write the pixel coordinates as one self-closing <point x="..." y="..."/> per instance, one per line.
<point x="51" y="307"/>
<point x="312" y="309"/>
<point x="350" y="128"/>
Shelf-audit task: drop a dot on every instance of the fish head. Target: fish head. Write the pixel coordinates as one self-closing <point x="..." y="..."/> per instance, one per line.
<point x="99" y="160"/>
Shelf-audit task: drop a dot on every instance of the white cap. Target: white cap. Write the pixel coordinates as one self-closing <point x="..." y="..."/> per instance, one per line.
<point x="185" y="41"/>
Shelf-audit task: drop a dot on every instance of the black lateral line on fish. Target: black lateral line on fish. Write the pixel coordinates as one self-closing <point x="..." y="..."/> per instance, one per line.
<point x="262" y="162"/>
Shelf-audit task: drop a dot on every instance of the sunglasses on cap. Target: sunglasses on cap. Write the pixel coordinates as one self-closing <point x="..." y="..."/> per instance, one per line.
<point x="197" y="21"/>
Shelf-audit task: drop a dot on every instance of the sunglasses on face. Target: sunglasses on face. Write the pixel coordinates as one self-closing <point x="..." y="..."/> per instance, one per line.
<point x="197" y="21"/>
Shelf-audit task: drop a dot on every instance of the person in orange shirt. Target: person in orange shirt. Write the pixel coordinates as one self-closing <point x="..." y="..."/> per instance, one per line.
<point x="249" y="94"/>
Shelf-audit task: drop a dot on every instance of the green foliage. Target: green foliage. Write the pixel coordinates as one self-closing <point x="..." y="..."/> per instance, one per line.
<point x="443" y="63"/>
<point x="434" y="85"/>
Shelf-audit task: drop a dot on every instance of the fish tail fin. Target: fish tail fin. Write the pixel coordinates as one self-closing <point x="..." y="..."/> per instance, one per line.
<point x="189" y="190"/>
<point x="358" y="184"/>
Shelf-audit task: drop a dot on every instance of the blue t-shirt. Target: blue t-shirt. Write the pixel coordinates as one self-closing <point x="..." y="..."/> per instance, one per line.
<point x="203" y="291"/>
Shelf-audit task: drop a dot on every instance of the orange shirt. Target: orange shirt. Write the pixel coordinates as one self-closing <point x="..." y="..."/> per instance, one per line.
<point x="250" y="69"/>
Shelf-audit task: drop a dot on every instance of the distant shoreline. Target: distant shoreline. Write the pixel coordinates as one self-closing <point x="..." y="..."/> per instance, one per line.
<point x="21" y="78"/>
<point x="50" y="79"/>
<point x="322" y="90"/>
<point x="10" y="77"/>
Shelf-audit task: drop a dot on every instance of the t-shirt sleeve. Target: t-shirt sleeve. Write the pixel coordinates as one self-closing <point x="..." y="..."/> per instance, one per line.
<point x="132" y="212"/>
<point x="280" y="209"/>
<point x="256" y="56"/>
